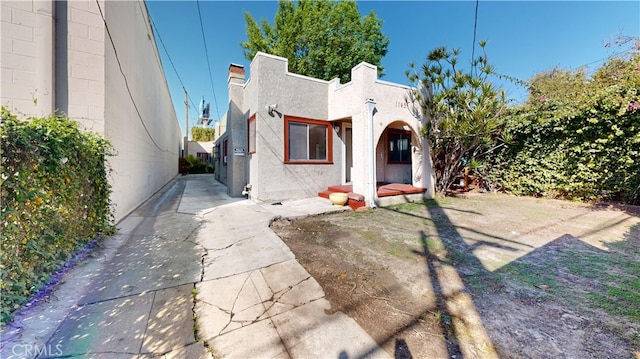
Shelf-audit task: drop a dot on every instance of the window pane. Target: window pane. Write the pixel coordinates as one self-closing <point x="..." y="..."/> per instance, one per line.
<point x="297" y="141"/>
<point x="404" y="149"/>
<point x="399" y="147"/>
<point x="317" y="142"/>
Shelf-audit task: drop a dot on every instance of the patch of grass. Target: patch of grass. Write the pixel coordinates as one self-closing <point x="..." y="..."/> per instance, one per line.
<point x="623" y="299"/>
<point x="615" y="280"/>
<point x="611" y="283"/>
<point x="529" y="274"/>
<point x="586" y="266"/>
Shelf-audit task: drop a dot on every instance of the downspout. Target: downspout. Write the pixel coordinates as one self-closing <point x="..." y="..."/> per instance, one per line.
<point x="371" y="188"/>
<point x="44" y="96"/>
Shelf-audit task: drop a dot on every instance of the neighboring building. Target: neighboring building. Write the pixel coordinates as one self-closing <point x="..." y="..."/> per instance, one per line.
<point x="202" y="150"/>
<point x="97" y="62"/>
<point x="288" y="136"/>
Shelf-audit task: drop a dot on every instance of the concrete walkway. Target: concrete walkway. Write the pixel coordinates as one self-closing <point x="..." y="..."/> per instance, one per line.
<point x="134" y="297"/>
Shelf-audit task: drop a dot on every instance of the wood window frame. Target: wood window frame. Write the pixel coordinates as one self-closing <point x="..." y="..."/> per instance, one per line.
<point x="308" y="121"/>
<point x="251" y="139"/>
<point x="398" y="132"/>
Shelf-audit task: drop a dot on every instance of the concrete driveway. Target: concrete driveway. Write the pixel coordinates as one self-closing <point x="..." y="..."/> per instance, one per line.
<point x="192" y="273"/>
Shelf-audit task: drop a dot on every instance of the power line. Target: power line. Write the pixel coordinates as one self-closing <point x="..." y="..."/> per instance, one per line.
<point x="126" y="83"/>
<point x="604" y="58"/>
<point x="157" y="32"/>
<point x="475" y="25"/>
<point x="206" y="52"/>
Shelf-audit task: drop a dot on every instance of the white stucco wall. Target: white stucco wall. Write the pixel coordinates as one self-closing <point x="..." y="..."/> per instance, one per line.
<point x="200" y="146"/>
<point x="69" y="65"/>
<point x="300" y="96"/>
<point x="347" y="101"/>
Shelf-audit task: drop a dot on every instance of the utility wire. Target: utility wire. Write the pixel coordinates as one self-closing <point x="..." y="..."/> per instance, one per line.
<point x="157" y="32"/>
<point x="475" y="25"/>
<point x="115" y="52"/>
<point x="623" y="52"/>
<point x="206" y="52"/>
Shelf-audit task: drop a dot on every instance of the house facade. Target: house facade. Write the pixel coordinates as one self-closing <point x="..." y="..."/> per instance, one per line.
<point x="202" y="150"/>
<point x="287" y="136"/>
<point x="98" y="63"/>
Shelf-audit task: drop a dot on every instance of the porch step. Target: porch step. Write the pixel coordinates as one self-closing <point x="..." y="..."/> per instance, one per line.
<point x="355" y="200"/>
<point x="343" y="189"/>
<point x="324" y="194"/>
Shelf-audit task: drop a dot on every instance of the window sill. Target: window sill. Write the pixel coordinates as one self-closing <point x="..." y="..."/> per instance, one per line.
<point x="308" y="162"/>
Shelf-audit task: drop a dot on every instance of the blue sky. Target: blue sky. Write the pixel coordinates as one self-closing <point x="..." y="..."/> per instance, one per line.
<point x="524" y="38"/>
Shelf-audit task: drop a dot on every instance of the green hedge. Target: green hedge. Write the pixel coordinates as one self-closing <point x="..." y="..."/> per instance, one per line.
<point x="575" y="138"/>
<point x="55" y="199"/>
<point x="202" y="134"/>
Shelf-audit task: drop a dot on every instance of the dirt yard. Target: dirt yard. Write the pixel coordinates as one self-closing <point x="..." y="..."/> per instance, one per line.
<point x="482" y="276"/>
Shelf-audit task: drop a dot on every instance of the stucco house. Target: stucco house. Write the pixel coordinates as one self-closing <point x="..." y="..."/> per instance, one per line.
<point x="287" y="136"/>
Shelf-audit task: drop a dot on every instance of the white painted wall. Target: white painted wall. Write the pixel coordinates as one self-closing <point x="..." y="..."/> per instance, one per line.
<point x="140" y="121"/>
<point x="70" y="65"/>
<point x="26" y="57"/>
<point x="200" y="146"/>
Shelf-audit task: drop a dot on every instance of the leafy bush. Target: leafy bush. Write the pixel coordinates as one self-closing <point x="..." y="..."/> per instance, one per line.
<point x="197" y="165"/>
<point x="55" y="199"/>
<point x="575" y="137"/>
<point x="202" y="134"/>
<point x="461" y="111"/>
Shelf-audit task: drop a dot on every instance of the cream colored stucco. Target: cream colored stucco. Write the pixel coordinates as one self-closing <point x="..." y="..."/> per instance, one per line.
<point x="341" y="104"/>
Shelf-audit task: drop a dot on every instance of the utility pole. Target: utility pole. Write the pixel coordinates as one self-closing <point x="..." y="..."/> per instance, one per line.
<point x="186" y="137"/>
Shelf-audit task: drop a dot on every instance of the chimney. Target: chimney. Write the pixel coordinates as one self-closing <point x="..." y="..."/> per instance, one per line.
<point x="236" y="74"/>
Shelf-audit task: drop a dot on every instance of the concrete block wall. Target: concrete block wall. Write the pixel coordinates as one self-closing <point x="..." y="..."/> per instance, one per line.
<point x="70" y="65"/>
<point x="140" y="119"/>
<point x="26" y="57"/>
<point x="80" y="63"/>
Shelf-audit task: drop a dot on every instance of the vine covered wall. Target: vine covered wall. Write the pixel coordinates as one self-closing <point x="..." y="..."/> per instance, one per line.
<point x="576" y="137"/>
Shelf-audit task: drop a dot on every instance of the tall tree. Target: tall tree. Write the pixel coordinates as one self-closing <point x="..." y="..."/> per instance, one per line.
<point x="461" y="110"/>
<point x="321" y="39"/>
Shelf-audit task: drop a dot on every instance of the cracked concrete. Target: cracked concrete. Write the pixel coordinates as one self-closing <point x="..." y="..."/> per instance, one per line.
<point x="256" y="301"/>
<point x="191" y="273"/>
<point x="130" y="298"/>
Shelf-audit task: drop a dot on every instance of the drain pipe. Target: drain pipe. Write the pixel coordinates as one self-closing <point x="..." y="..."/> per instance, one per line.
<point x="371" y="196"/>
<point x="44" y="98"/>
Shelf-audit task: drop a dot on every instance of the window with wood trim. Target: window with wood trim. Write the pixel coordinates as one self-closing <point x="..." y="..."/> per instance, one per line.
<point x="399" y="146"/>
<point x="307" y="141"/>
<point x="251" y="133"/>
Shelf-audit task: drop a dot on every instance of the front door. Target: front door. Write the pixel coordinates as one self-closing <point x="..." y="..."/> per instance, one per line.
<point x="348" y="151"/>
